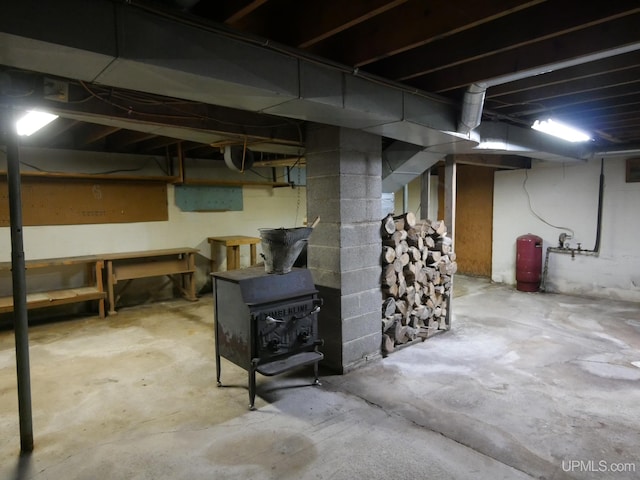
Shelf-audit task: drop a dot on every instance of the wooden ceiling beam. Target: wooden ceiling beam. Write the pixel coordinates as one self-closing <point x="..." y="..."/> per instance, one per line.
<point x="326" y="19"/>
<point x="93" y="133"/>
<point x="588" y="41"/>
<point x="189" y="146"/>
<point x="617" y="63"/>
<point x="226" y="11"/>
<point x="556" y="104"/>
<point x="620" y="123"/>
<point x="627" y="80"/>
<point x="125" y="138"/>
<point x="314" y="21"/>
<point x="155" y="143"/>
<point x="592" y="114"/>
<point x="216" y="120"/>
<point x="411" y="25"/>
<point x="602" y="115"/>
<point x="537" y="26"/>
<point x="246" y="7"/>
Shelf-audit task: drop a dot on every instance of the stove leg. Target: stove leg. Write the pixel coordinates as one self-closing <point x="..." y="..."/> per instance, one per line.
<point x="316" y="380"/>
<point x="218" y="369"/>
<point x="252" y="388"/>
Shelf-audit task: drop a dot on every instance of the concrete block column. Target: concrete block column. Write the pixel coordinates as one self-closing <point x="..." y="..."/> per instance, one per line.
<point x="344" y="188"/>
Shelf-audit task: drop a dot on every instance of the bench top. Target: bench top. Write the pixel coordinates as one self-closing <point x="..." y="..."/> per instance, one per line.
<point x="234" y="240"/>
<point x="148" y="253"/>
<point x="53" y="262"/>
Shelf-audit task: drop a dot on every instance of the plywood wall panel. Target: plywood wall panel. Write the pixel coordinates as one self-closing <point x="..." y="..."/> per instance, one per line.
<point x="80" y="201"/>
<point x="474" y="217"/>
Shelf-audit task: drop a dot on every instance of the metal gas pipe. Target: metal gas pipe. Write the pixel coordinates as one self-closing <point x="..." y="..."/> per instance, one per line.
<point x="564" y="248"/>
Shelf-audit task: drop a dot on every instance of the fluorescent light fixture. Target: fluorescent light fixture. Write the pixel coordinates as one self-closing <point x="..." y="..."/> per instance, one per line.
<point x="560" y="130"/>
<point x="33" y="121"/>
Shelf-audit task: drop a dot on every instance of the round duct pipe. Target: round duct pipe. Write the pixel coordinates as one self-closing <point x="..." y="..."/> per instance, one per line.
<point x="238" y="158"/>
<point x="472" y="106"/>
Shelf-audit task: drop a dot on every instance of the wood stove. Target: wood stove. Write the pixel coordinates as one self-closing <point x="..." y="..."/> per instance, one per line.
<point x="266" y="323"/>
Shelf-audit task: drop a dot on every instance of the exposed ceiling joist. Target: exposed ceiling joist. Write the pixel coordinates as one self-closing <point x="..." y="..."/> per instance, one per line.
<point x="412" y="25"/>
<point x="567" y="58"/>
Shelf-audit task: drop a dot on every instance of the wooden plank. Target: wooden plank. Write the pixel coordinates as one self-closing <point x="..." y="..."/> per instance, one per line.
<point x="411" y="25"/>
<point x="232" y="183"/>
<point x="108" y="177"/>
<point x="54" y="298"/>
<point x="129" y="271"/>
<point x="151" y="263"/>
<point x="53" y="262"/>
<point x="230" y="240"/>
<point x="246" y="9"/>
<point x="82" y="201"/>
<point x="474" y="219"/>
<point x="149" y="253"/>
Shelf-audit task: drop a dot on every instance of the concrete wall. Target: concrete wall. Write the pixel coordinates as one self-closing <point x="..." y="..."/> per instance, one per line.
<point x="566" y="195"/>
<point x="344" y="189"/>
<point x="263" y="207"/>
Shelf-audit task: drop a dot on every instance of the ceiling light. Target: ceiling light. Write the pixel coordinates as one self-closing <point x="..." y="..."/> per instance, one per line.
<point x="33" y="121"/>
<point x="560" y="130"/>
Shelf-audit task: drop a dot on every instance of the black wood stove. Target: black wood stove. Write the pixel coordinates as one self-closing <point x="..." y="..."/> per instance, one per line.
<point x="266" y="323"/>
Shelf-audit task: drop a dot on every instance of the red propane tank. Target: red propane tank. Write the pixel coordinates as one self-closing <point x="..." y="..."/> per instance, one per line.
<point x="528" y="263"/>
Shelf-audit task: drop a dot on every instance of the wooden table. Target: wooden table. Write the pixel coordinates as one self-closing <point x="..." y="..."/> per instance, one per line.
<point x="151" y="263"/>
<point x="232" y="244"/>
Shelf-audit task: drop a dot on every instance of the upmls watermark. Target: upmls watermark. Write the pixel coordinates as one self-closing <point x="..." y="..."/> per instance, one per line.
<point x="598" y="466"/>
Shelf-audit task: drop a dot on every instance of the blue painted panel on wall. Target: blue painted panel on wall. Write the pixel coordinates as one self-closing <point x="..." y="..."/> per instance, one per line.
<point x="205" y="198"/>
<point x="298" y="175"/>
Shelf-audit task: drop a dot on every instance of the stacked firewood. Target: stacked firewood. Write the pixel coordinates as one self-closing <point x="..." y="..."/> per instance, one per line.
<point x="417" y="270"/>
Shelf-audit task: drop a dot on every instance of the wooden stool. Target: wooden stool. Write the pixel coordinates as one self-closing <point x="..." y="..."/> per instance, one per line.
<point x="232" y="244"/>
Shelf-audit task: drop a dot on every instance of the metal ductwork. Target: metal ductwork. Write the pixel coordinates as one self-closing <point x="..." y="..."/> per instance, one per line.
<point x="402" y="162"/>
<point x="473" y="102"/>
<point x="122" y="45"/>
<point x="472" y="106"/>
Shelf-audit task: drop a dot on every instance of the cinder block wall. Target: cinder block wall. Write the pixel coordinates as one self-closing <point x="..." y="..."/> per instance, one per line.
<point x="344" y="189"/>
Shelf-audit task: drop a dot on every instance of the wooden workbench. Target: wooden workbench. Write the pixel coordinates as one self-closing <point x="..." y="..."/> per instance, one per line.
<point x="232" y="244"/>
<point x="91" y="290"/>
<point x="151" y="263"/>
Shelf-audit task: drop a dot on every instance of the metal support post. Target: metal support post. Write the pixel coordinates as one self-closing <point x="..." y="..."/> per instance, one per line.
<point x="18" y="271"/>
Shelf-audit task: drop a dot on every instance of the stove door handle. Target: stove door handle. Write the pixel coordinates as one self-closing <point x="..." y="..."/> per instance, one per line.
<point x="315" y="310"/>
<point x="270" y="320"/>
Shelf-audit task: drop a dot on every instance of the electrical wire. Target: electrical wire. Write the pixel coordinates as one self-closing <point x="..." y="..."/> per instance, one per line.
<point x="524" y="186"/>
<point x="139" y="99"/>
<point x="107" y="172"/>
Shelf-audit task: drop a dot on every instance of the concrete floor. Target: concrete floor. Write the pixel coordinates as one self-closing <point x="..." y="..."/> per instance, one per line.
<point x="524" y="386"/>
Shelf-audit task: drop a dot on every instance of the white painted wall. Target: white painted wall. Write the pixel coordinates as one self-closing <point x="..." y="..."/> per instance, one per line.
<point x="414" y="199"/>
<point x="264" y="207"/>
<point x="567" y="195"/>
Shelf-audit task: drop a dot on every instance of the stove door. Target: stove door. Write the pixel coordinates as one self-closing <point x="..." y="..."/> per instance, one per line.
<point x="287" y="328"/>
